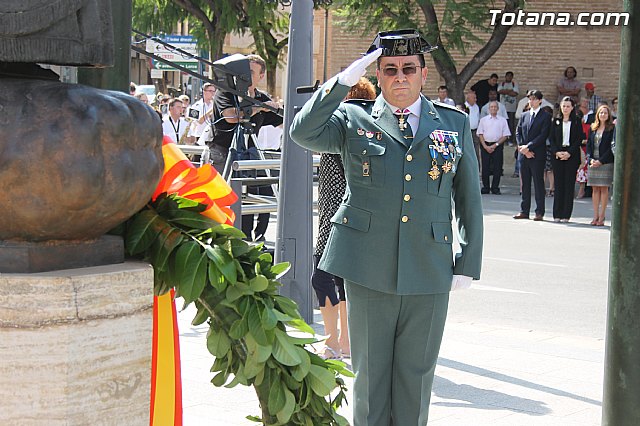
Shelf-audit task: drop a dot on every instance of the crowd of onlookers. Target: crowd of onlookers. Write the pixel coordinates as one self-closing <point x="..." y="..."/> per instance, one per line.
<point x="578" y="133"/>
<point x="498" y="118"/>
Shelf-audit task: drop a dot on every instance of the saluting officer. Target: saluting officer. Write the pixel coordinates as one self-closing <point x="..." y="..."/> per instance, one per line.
<point x="405" y="159"/>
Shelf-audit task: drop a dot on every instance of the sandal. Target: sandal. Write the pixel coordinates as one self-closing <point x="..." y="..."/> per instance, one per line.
<point x="594" y="222"/>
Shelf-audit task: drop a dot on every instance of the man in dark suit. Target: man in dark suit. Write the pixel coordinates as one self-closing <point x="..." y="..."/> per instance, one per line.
<point x="405" y="158"/>
<point x="531" y="134"/>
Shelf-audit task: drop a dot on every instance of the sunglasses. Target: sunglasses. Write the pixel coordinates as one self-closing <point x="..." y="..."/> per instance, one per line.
<point x="392" y="71"/>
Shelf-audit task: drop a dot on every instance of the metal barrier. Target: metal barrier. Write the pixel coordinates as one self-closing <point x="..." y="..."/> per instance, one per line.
<point x="201" y="150"/>
<point x="255" y="204"/>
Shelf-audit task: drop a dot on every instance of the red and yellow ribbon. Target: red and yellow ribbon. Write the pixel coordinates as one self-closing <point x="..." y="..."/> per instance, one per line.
<point x="206" y="186"/>
<point x="202" y="184"/>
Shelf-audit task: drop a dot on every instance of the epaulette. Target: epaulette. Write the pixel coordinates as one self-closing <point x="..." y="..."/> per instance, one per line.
<point x="364" y="103"/>
<point x="442" y="104"/>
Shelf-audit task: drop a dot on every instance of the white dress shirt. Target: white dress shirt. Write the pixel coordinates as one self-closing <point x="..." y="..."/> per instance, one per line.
<point x="474" y="115"/>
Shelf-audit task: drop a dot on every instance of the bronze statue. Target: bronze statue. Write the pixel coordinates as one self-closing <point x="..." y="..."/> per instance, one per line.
<point x="62" y="32"/>
<point x="75" y="161"/>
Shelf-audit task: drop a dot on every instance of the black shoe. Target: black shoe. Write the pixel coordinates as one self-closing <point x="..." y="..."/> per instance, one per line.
<point x="496" y="191"/>
<point x="484" y="191"/>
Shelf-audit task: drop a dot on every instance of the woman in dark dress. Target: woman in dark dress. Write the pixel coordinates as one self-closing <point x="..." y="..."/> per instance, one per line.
<point x="566" y="136"/>
<point x="331" y="189"/>
<point x="600" y="161"/>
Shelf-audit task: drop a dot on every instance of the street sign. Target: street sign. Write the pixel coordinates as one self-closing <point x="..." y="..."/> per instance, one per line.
<point x="184" y="42"/>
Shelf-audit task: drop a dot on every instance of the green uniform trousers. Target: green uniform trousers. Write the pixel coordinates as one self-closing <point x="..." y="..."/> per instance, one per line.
<point x="395" y="342"/>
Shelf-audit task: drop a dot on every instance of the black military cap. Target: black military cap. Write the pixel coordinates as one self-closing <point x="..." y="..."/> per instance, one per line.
<point x="535" y="93"/>
<point x="401" y="43"/>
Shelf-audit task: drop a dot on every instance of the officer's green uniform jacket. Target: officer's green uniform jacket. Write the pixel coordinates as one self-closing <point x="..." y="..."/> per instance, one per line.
<point x="393" y="232"/>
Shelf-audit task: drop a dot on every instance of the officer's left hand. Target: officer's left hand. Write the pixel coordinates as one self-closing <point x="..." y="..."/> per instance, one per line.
<point x="351" y="75"/>
<point x="460" y="282"/>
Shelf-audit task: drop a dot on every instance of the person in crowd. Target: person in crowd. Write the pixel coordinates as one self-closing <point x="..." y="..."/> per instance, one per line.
<point x="132" y="88"/>
<point x="594" y="100"/>
<point x="482" y="88"/>
<point x="186" y="103"/>
<point x="201" y="112"/>
<point x="581" y="177"/>
<point x="508" y="91"/>
<point x="566" y="137"/>
<point x="531" y="134"/>
<point x="331" y="188"/>
<point x="174" y="125"/>
<point x="614" y="109"/>
<point x="142" y="97"/>
<point x="569" y="85"/>
<point x="397" y="276"/>
<point x="600" y="160"/>
<point x="524" y="104"/>
<point x="443" y="96"/>
<point x="493" y="132"/>
<point x="493" y="97"/>
<point x="227" y="116"/>
<point x="549" y="182"/>
<point x="474" y="120"/>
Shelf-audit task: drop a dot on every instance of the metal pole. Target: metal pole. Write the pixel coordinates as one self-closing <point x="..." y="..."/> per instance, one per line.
<point x="294" y="239"/>
<point x="116" y="77"/>
<point x="620" y="405"/>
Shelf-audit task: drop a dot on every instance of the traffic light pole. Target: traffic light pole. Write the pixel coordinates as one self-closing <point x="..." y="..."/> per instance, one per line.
<point x="294" y="238"/>
<point x="620" y="405"/>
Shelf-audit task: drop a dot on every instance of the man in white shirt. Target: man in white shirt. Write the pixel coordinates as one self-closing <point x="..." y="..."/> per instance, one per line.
<point x="493" y="131"/>
<point x="174" y="125"/>
<point x="508" y="91"/>
<point x="474" y="119"/>
<point x="201" y="111"/>
<point x="443" y="96"/>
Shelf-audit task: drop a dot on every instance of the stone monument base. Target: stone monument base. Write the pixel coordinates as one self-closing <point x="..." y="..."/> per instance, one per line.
<point x="75" y="346"/>
<point x="27" y="257"/>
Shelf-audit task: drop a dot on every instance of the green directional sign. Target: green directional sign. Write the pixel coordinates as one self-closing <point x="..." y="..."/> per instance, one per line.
<point x="192" y="66"/>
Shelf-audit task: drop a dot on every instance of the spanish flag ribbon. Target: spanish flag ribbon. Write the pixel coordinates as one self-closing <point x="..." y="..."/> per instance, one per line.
<point x="206" y="186"/>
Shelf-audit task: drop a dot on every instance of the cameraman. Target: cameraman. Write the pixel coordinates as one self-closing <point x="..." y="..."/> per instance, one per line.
<point x="227" y="116"/>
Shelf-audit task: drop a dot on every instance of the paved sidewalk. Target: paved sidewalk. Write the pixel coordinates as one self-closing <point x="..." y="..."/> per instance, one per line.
<point x="486" y="375"/>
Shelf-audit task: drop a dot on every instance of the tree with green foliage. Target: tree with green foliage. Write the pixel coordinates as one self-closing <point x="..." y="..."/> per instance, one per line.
<point x="456" y="30"/>
<point x="211" y="20"/>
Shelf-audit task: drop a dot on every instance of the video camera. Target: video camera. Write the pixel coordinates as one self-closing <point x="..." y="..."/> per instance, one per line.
<point x="235" y="73"/>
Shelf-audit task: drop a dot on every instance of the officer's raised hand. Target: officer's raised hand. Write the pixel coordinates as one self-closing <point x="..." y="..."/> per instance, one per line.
<point x="351" y="75"/>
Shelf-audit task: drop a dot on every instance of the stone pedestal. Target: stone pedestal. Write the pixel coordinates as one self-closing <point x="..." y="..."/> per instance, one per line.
<point x="75" y="346"/>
